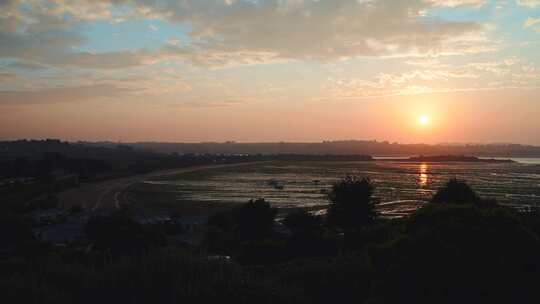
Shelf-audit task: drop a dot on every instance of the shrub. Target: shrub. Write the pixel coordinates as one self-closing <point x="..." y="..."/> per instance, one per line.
<point x="303" y="223"/>
<point x="351" y="204"/>
<point x="456" y="192"/>
<point x="251" y="221"/>
<point x="256" y="219"/>
<point x="119" y="234"/>
<point x="458" y="254"/>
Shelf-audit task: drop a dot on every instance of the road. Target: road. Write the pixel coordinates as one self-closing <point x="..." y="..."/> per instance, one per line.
<point x="108" y="195"/>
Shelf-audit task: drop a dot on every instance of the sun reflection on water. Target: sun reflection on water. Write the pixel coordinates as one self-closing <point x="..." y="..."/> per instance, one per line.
<point x="423" y="178"/>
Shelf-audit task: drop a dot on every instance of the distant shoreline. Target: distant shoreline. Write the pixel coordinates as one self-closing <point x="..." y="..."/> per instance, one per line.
<point x="446" y="158"/>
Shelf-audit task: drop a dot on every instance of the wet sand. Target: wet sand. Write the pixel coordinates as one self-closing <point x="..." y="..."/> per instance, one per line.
<point x="111" y="194"/>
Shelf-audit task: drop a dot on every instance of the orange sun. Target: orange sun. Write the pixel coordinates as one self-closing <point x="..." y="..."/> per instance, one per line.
<point x="423" y="120"/>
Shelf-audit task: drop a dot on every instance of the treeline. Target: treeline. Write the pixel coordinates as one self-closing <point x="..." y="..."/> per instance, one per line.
<point x="41" y="158"/>
<point x="459" y="248"/>
<point x="346" y="147"/>
<point x="30" y="169"/>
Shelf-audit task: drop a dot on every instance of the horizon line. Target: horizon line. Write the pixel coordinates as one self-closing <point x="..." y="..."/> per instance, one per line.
<point x="276" y="142"/>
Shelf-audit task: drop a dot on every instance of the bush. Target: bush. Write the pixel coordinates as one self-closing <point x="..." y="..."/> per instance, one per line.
<point x="162" y="276"/>
<point x="245" y="231"/>
<point x="308" y="236"/>
<point x="456" y="192"/>
<point x="255" y="219"/>
<point x="458" y="254"/>
<point x="251" y="221"/>
<point x="261" y="252"/>
<point x="343" y="279"/>
<point x="119" y="235"/>
<point x="351" y="204"/>
<point x="303" y="223"/>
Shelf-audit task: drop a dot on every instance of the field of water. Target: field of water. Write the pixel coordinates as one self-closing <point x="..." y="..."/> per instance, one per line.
<point x="398" y="184"/>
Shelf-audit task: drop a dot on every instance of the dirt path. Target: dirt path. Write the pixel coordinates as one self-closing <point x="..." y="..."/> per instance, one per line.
<point x="108" y="195"/>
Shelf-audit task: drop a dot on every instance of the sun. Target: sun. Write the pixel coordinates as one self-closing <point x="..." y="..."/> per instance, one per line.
<point x="424" y="120"/>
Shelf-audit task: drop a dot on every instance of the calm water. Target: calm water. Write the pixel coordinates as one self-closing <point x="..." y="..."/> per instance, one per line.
<point x="305" y="183"/>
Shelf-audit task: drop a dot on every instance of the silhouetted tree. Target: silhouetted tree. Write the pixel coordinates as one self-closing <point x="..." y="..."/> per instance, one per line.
<point x="303" y="223"/>
<point x="450" y="253"/>
<point x="255" y="219"/>
<point x="351" y="203"/>
<point x="308" y="238"/>
<point x="120" y="234"/>
<point x="456" y="192"/>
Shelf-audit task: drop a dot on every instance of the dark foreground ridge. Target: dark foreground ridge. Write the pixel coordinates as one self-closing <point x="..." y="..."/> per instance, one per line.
<point x="458" y="248"/>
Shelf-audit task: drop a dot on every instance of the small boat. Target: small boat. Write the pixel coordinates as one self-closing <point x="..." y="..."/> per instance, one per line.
<point x="276" y="184"/>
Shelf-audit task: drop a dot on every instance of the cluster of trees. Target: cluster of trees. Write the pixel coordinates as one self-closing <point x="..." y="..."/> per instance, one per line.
<point x="39" y="159"/>
<point x="32" y="169"/>
<point x="459" y="248"/>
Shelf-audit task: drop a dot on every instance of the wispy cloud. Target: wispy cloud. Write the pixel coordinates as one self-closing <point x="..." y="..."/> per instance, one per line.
<point x="314" y="30"/>
<point x="529" y="3"/>
<point x="60" y="94"/>
<point x="40" y="37"/>
<point x="458" y="3"/>
<point x="532" y="22"/>
<point x="507" y="73"/>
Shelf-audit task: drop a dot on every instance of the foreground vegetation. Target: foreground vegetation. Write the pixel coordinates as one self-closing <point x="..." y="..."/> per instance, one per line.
<point x="459" y="248"/>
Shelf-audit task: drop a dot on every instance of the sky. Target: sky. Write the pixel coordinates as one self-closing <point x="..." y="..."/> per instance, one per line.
<point x="410" y="71"/>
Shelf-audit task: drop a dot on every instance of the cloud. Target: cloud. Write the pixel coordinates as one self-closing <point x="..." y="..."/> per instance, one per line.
<point x="216" y="55"/>
<point x="507" y="73"/>
<point x="6" y="76"/>
<point x="60" y="94"/>
<point x="25" y="65"/>
<point x="249" y="32"/>
<point x="530" y="22"/>
<point x="108" y="60"/>
<point x="529" y="3"/>
<point x="459" y="3"/>
<point x="211" y="104"/>
<point x="173" y="41"/>
<point x="153" y="28"/>
<point x="321" y="30"/>
<point x="390" y="84"/>
<point x="47" y="34"/>
<point x="38" y="46"/>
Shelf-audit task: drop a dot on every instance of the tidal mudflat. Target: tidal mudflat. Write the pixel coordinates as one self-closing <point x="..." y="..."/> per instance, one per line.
<point x="400" y="186"/>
